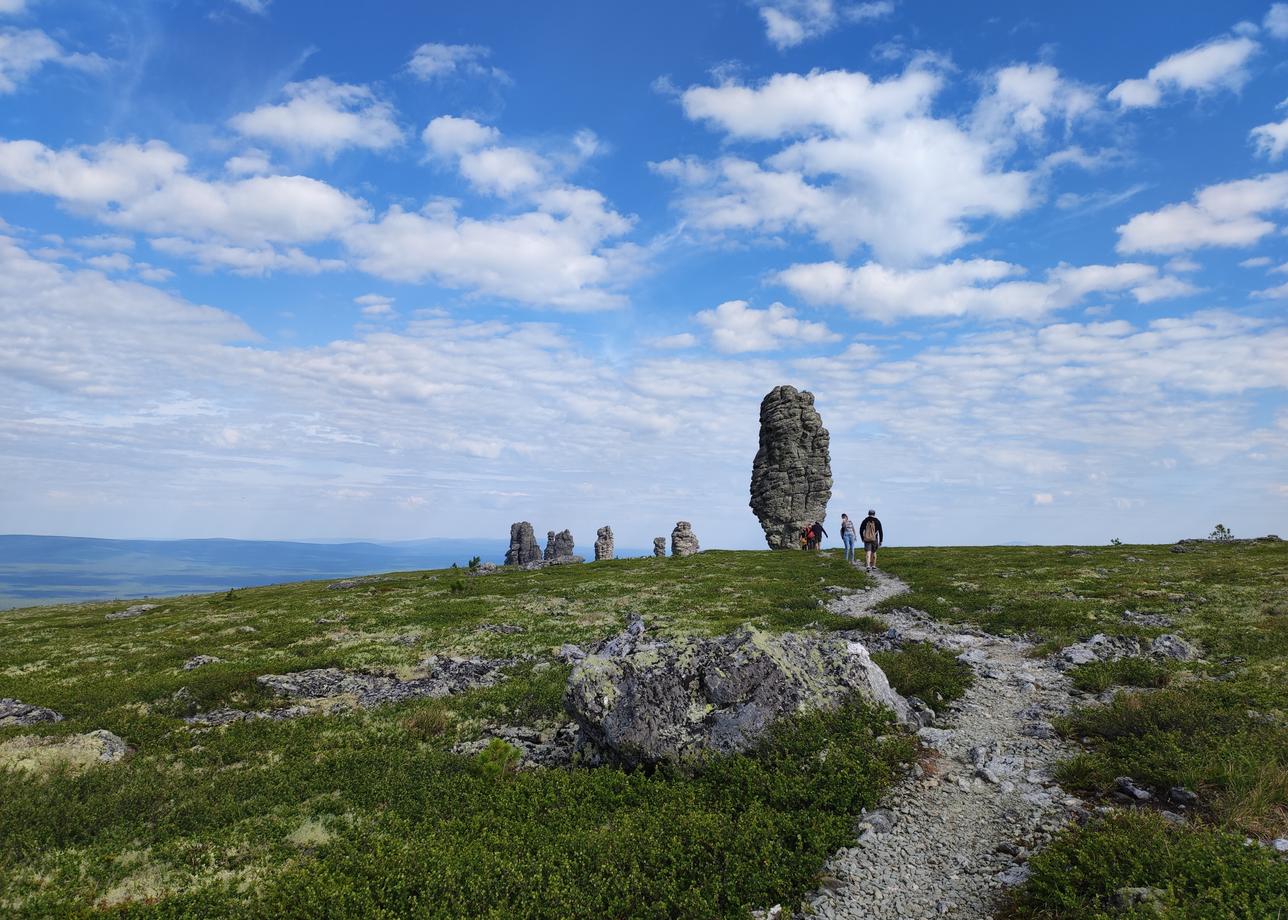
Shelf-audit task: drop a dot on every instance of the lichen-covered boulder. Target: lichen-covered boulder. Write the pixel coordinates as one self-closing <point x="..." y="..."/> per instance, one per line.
<point x="16" y="712"/>
<point x="523" y="545"/>
<point x="791" y="477"/>
<point x="641" y="702"/>
<point x="684" y="542"/>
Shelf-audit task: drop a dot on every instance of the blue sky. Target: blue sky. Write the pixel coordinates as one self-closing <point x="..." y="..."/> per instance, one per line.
<point x="297" y="270"/>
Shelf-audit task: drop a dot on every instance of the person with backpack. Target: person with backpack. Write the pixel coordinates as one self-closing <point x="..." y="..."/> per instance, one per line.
<point x="819" y="534"/>
<point x="873" y="536"/>
<point x="847" y="537"/>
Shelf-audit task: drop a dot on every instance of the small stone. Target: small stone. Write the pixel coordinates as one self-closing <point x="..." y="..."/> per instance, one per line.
<point x="197" y="661"/>
<point x="16" y="712"/>
<point x="1279" y="844"/>
<point x="129" y="613"/>
<point x="1173" y="818"/>
<point x="1127" y="786"/>
<point x="1015" y="875"/>
<point x="1182" y="796"/>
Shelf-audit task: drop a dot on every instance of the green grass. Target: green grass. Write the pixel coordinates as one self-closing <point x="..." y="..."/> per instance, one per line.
<point x="368" y="813"/>
<point x="920" y="669"/>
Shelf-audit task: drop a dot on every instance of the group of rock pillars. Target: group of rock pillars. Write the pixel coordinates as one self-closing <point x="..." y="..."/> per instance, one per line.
<point x="524" y="550"/>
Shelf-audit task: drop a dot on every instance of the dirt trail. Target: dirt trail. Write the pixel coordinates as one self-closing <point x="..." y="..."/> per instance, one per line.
<point x="950" y="838"/>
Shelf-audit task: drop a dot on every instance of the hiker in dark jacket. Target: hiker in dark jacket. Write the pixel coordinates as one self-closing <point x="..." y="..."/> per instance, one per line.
<point x="819" y="534"/>
<point x="873" y="536"/>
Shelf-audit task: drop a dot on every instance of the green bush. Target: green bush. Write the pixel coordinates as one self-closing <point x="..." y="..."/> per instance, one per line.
<point x="1099" y="676"/>
<point x="922" y="670"/>
<point x="1197" y="874"/>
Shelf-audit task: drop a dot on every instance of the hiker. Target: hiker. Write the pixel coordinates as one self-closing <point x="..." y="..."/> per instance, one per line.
<point x="847" y="537"/>
<point x="806" y="533"/>
<point x="873" y="536"/>
<point x="819" y="534"/>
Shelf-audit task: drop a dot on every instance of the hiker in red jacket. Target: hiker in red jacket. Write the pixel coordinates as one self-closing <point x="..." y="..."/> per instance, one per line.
<point x="873" y="536"/>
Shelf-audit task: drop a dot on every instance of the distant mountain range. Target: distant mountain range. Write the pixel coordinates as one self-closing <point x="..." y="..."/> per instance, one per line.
<point x="48" y="570"/>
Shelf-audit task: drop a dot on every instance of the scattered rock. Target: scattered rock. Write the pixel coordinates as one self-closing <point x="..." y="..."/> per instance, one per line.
<point x="1127" y="786"/>
<point x="40" y="753"/>
<point x="552" y="747"/>
<point x="1173" y="647"/>
<point x="1099" y="647"/>
<point x="443" y="676"/>
<point x="791" y="476"/>
<point x="16" y="712"/>
<point x="683" y="541"/>
<point x="1152" y="620"/>
<point x="640" y="702"/>
<point x="1077" y="552"/>
<point x="659" y="547"/>
<point x="197" y="661"/>
<point x="569" y="654"/>
<point x="1173" y="818"/>
<point x="129" y="613"/>
<point x="523" y="545"/>
<point x="1015" y="875"/>
<point x="1182" y="796"/>
<point x="503" y="629"/>
<point x="603" y="543"/>
<point x="216" y="717"/>
<point x="1279" y="844"/>
<point x="343" y="585"/>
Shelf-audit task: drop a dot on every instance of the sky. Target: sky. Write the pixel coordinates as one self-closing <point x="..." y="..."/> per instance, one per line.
<point x="281" y="269"/>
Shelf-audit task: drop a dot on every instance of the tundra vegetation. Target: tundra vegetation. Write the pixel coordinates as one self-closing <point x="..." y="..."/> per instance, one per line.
<point x="367" y="812"/>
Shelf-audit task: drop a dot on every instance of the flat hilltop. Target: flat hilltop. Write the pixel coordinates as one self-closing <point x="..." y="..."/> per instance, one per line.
<point x="393" y="745"/>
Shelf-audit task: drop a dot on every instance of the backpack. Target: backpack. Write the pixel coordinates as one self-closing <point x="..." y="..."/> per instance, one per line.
<point x="870" y="530"/>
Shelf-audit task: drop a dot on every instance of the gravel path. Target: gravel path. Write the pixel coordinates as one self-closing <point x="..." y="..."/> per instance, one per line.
<point x="952" y="836"/>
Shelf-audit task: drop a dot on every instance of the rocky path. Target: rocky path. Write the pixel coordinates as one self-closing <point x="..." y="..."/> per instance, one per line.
<point x="959" y="828"/>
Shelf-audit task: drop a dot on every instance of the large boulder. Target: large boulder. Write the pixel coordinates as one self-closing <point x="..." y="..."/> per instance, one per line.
<point x="791" y="477"/>
<point x="604" y="548"/>
<point x="639" y="702"/>
<point x="684" y="542"/>
<point x="523" y="545"/>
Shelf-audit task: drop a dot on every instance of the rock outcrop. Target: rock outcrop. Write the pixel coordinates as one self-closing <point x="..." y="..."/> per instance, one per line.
<point x="129" y="613"/>
<point x="1101" y="647"/>
<point x="523" y="545"/>
<point x="791" y="477"/>
<point x="640" y="702"/>
<point x="559" y="545"/>
<point x="659" y="547"/>
<point x="604" y="543"/>
<point x="16" y="712"/>
<point x="684" y="542"/>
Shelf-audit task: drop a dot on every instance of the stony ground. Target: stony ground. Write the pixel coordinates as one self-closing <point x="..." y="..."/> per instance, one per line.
<point x="958" y="830"/>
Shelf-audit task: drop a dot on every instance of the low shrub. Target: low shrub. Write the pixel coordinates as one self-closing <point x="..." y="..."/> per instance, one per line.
<point x="1099" y="676"/>
<point x="922" y="670"/>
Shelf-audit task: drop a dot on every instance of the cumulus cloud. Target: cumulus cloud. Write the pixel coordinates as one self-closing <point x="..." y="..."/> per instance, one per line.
<point x="248" y="261"/>
<point x="790" y="22"/>
<point x="1221" y="64"/>
<point x="1229" y="214"/>
<point x="12" y="7"/>
<point x="23" y="52"/>
<point x="434" y="61"/>
<point x="1276" y="21"/>
<point x="986" y="288"/>
<point x="450" y="136"/>
<point x="863" y="162"/>
<point x="1271" y="140"/>
<point x="324" y="117"/>
<point x="679" y="340"/>
<point x="736" y="328"/>
<point x="258" y="7"/>
<point x="375" y="304"/>
<point x="1022" y="100"/>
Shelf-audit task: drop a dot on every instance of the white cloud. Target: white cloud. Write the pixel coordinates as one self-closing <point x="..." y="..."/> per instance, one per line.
<point x="432" y="61"/>
<point x="12" y="7"/>
<point x="104" y="242"/>
<point x="258" y="7"/>
<point x="863" y="163"/>
<point x="250" y="163"/>
<point x="1279" y="292"/>
<point x="450" y="136"/>
<point x="115" y="262"/>
<point x="1271" y="139"/>
<point x="1256" y="262"/>
<point x="1023" y="99"/>
<point x="677" y="341"/>
<point x="737" y="328"/>
<point x="973" y="287"/>
<point x="1043" y="498"/>
<point x="238" y="223"/>
<point x="1229" y="214"/>
<point x="790" y="22"/>
<point x="23" y="52"/>
<point x="250" y="261"/>
<point x="1276" y="21"/>
<point x="375" y="304"/>
<point x="1218" y="64"/>
<point x="324" y="117"/>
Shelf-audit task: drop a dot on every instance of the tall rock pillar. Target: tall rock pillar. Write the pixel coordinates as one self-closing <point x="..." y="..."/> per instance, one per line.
<point x="791" y="477"/>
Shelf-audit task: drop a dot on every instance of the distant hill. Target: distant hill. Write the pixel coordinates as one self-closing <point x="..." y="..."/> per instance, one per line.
<point x="45" y="570"/>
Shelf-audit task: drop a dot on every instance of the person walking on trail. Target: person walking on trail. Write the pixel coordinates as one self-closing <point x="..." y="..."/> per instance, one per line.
<point x="873" y="536"/>
<point x="819" y="534"/>
<point x="847" y="536"/>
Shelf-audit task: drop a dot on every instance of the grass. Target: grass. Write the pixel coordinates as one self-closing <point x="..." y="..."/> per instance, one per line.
<point x="367" y="813"/>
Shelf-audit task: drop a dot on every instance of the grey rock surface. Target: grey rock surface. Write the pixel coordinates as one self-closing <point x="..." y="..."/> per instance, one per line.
<point x="129" y="613"/>
<point x="603" y="543"/>
<point x="684" y="542"/>
<point x="197" y="661"/>
<point x="558" y="546"/>
<point x="791" y="477"/>
<point x="642" y="702"/>
<point x="659" y="547"/>
<point x="111" y="747"/>
<point x="523" y="545"/>
<point x="16" y="712"/>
